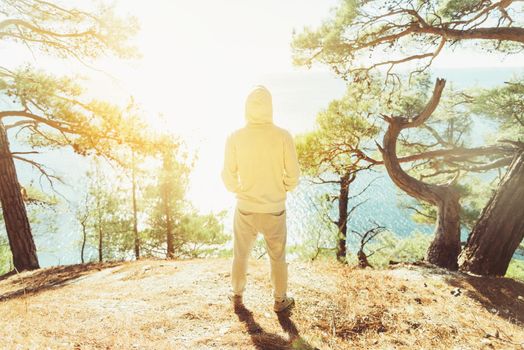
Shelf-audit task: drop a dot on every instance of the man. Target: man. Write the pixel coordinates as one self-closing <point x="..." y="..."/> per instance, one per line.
<point x="260" y="166"/>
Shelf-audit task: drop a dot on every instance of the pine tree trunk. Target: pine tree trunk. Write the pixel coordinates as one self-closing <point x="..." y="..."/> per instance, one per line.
<point x="135" y="211"/>
<point x="445" y="247"/>
<point x="167" y="190"/>
<point x="100" y="243"/>
<point x="342" y="217"/>
<point x="169" y="232"/>
<point x="100" y="209"/>
<point x="14" y="210"/>
<point x="84" y="239"/>
<point x="500" y="228"/>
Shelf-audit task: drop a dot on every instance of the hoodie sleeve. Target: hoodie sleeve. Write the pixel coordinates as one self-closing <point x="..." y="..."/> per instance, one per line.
<point x="230" y="169"/>
<point x="292" y="171"/>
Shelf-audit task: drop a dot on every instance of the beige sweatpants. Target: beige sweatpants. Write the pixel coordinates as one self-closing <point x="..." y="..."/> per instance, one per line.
<point x="246" y="226"/>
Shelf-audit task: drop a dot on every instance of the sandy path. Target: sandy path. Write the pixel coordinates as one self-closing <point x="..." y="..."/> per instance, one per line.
<point x="183" y="305"/>
<point x="146" y="305"/>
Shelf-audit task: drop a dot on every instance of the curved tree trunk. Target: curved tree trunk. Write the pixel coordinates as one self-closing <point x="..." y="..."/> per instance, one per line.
<point x="500" y="228"/>
<point x="14" y="211"/>
<point x="445" y="247"/>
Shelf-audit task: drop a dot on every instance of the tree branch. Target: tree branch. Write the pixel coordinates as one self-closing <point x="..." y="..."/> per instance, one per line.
<point x="514" y="34"/>
<point x="415" y="188"/>
<point x="21" y="23"/>
<point x="41" y="169"/>
<point x="64" y="127"/>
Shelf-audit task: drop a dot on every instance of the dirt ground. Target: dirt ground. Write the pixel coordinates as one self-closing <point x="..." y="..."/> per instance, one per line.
<point x="156" y="304"/>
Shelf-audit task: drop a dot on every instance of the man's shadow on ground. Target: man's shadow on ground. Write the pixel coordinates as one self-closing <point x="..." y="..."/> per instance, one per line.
<point x="268" y="341"/>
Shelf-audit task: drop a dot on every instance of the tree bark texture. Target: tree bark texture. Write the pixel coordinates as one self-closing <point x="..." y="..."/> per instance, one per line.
<point x="14" y="211"/>
<point x="342" y="217"/>
<point x="500" y="228"/>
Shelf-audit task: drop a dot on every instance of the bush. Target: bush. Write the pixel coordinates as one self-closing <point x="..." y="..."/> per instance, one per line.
<point x="389" y="246"/>
<point x="516" y="269"/>
<point x="5" y="256"/>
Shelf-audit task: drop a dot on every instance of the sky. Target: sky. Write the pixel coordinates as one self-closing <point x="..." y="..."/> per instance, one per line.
<point x="200" y="58"/>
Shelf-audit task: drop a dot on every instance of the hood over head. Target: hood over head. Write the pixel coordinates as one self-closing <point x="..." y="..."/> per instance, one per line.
<point x="259" y="106"/>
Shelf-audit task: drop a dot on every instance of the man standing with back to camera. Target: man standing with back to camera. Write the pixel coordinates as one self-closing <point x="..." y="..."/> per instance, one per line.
<point x="260" y="166"/>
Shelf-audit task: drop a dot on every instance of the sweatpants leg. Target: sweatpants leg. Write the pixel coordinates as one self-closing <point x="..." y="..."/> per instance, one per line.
<point x="245" y="234"/>
<point x="274" y="229"/>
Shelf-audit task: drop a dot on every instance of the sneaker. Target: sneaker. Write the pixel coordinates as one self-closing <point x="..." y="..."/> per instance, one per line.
<point x="236" y="299"/>
<point x="284" y="305"/>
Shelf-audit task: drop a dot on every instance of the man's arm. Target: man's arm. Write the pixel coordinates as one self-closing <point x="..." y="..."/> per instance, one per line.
<point x="292" y="171"/>
<point x="230" y="169"/>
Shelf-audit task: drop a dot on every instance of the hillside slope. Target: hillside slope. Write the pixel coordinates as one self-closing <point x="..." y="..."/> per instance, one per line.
<point x="155" y="304"/>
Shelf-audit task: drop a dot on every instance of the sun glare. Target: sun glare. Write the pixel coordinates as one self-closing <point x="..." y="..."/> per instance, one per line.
<point x="195" y="72"/>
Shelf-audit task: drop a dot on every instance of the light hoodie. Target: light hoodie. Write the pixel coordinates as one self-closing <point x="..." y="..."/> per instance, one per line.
<point x="260" y="163"/>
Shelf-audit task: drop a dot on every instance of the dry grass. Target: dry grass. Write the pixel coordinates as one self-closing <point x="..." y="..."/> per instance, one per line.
<point x="183" y="304"/>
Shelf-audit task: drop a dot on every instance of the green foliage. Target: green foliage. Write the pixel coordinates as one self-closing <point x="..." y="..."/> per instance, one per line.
<point x="107" y="213"/>
<point x="165" y="199"/>
<point x="520" y="248"/>
<point x="318" y="233"/>
<point x="474" y="191"/>
<point x="455" y="9"/>
<point x="6" y="263"/>
<point x="327" y="37"/>
<point x="202" y="235"/>
<point x="341" y="130"/>
<point x="360" y="37"/>
<point x="389" y="246"/>
<point x="475" y="194"/>
<point x="448" y="127"/>
<point x="346" y="129"/>
<point x="54" y="112"/>
<point x="67" y="31"/>
<point x="49" y="111"/>
<point x="504" y="105"/>
<point x="423" y="213"/>
<point x="34" y="196"/>
<point x="407" y="100"/>
<point x="516" y="270"/>
<point x="159" y="169"/>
